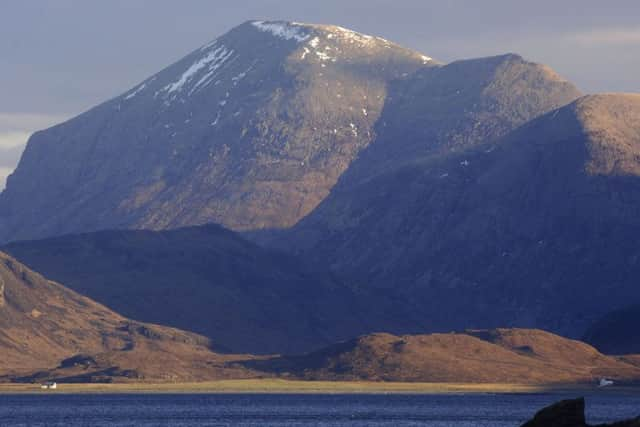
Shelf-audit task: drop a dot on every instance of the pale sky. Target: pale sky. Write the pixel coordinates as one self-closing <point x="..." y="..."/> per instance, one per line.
<point x="61" y="57"/>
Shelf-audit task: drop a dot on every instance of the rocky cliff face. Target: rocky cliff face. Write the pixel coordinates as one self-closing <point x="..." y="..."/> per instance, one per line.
<point x="250" y="131"/>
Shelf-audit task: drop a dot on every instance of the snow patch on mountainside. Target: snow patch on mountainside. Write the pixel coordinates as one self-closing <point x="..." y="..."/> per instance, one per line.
<point x="284" y="31"/>
<point x="208" y="45"/>
<point x="327" y="42"/>
<point x="323" y="56"/>
<point x="322" y="53"/>
<point x="212" y="62"/>
<point x="136" y="91"/>
<point x="355" y="37"/>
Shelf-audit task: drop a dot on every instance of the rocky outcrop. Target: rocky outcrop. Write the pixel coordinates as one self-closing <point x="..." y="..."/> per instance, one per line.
<point x="570" y="413"/>
<point x="566" y="413"/>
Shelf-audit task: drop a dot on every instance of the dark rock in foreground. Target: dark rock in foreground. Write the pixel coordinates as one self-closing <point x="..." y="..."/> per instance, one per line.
<point x="569" y="413"/>
<point x="566" y="413"/>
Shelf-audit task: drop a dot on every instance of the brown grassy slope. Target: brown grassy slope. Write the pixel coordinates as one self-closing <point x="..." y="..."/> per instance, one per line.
<point x="43" y="323"/>
<point x="502" y="355"/>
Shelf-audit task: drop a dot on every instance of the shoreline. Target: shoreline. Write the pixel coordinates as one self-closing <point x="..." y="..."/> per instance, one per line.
<point x="276" y="386"/>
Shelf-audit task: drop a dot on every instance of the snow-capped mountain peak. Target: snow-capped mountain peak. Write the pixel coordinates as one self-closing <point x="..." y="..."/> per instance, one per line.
<point x="283" y="30"/>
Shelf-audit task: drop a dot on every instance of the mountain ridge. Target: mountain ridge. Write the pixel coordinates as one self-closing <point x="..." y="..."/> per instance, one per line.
<point x="494" y="215"/>
<point x="252" y="131"/>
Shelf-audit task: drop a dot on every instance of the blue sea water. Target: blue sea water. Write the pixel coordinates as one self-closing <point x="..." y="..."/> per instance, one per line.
<point x="486" y="410"/>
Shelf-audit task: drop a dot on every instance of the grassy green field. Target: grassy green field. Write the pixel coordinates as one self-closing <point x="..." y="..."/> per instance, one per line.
<point x="284" y="386"/>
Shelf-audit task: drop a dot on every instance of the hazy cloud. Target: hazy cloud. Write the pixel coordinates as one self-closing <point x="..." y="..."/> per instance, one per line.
<point x="27" y="121"/>
<point x="4" y="173"/>
<point x="13" y="139"/>
<point x="610" y="36"/>
<point x="9" y="157"/>
<point x="15" y="130"/>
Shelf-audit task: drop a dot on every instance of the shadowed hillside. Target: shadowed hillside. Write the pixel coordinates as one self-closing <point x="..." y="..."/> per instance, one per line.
<point x="617" y="332"/>
<point x="535" y="230"/>
<point x="204" y="279"/>
<point x="446" y="109"/>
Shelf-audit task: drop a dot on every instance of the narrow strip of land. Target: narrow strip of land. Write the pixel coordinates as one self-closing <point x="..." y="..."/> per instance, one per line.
<point x="283" y="386"/>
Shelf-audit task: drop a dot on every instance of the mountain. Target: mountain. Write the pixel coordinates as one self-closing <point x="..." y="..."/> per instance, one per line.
<point x="250" y="131"/>
<point x="253" y="130"/>
<point x="444" y="109"/>
<point x="204" y="279"/>
<point x="537" y="229"/>
<point x="440" y="196"/>
<point x="47" y="328"/>
<point x="617" y="332"/>
<point x="517" y="356"/>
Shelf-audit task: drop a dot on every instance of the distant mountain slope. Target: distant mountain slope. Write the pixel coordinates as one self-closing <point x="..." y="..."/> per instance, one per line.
<point x="617" y="332"/>
<point x="43" y="325"/>
<point x="537" y="230"/>
<point x="250" y="131"/>
<point x="204" y="279"/>
<point x="489" y="356"/>
<point x="445" y="109"/>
